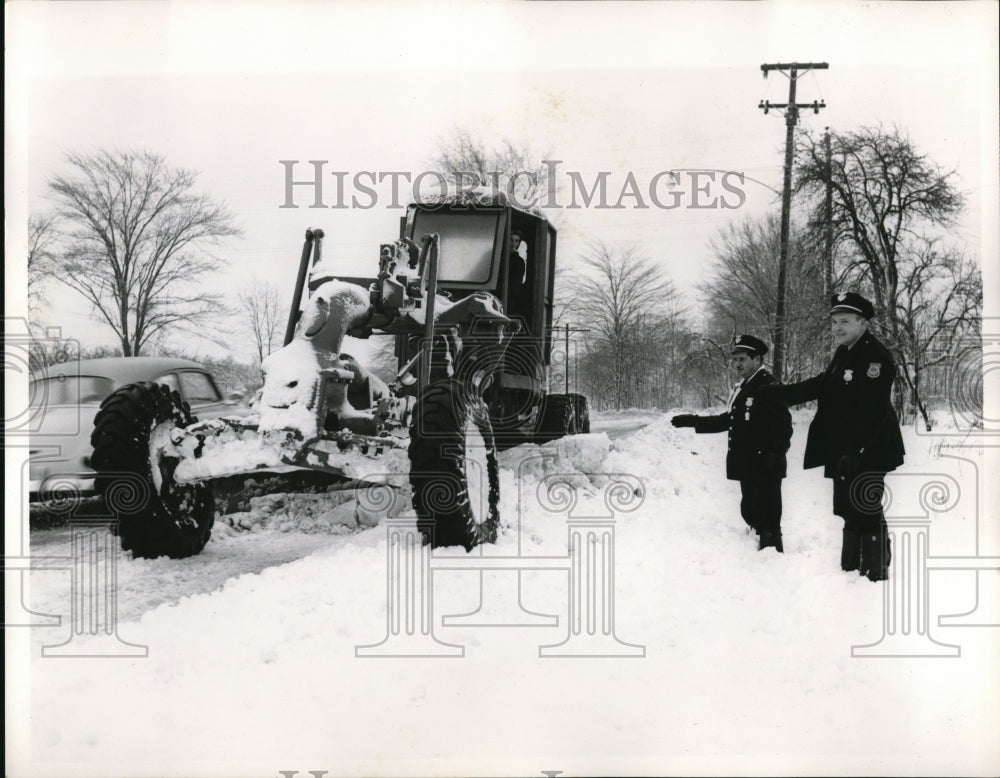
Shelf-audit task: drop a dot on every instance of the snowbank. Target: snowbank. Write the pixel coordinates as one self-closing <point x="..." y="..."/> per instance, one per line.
<point x="747" y="664"/>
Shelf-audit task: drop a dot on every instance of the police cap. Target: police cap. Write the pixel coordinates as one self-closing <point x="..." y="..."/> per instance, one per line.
<point x="851" y="302"/>
<point x="755" y="347"/>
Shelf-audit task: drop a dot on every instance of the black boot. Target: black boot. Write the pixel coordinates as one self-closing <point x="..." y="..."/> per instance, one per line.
<point x="850" y="551"/>
<point x="875" y="555"/>
<point x="771" y="538"/>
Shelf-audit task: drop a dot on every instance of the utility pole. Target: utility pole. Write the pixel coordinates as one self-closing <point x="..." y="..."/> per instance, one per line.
<point x="828" y="219"/>
<point x="791" y="119"/>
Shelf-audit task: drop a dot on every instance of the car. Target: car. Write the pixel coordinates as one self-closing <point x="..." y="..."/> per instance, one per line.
<point x="64" y="399"/>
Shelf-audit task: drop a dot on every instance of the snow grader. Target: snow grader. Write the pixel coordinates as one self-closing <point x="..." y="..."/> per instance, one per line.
<point x="471" y="322"/>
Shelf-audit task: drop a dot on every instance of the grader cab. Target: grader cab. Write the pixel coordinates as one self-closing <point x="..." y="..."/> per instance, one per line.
<point x="471" y="319"/>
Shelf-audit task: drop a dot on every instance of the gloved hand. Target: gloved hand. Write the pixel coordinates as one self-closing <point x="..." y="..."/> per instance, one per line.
<point x="684" y="420"/>
<point x="848" y="466"/>
<point x="774" y="464"/>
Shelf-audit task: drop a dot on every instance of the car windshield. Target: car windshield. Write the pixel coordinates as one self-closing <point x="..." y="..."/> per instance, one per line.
<point x="68" y="389"/>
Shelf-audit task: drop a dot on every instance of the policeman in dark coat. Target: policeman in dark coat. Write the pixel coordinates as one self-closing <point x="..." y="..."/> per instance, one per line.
<point x="760" y="429"/>
<point x="855" y="434"/>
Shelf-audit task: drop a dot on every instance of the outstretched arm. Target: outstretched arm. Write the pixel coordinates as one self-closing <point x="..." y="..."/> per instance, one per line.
<point x="797" y="393"/>
<point x="718" y="423"/>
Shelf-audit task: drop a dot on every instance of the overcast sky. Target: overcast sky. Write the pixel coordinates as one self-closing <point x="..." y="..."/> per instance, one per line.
<point x="621" y="87"/>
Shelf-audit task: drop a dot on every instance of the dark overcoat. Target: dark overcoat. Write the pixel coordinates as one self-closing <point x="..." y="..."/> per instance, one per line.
<point x="854" y="414"/>
<point x="758" y="426"/>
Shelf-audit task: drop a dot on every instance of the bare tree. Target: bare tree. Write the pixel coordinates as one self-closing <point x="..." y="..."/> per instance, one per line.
<point x="509" y="168"/>
<point x="42" y="238"/>
<point x="940" y="303"/>
<point x="706" y="369"/>
<point x="884" y="191"/>
<point x="630" y="306"/>
<point x="46" y="348"/>
<point x="261" y="313"/>
<point x="135" y="242"/>
<point x="887" y="198"/>
<point x="741" y="293"/>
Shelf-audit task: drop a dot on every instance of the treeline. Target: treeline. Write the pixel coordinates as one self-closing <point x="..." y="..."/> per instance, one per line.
<point x="130" y="234"/>
<point x="875" y="216"/>
<point x="669" y="353"/>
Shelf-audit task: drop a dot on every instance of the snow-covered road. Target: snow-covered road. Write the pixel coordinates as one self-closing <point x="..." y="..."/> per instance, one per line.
<point x="143" y="584"/>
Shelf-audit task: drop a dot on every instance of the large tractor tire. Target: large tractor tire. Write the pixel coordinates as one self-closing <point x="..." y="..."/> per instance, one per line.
<point x="581" y="414"/>
<point x="561" y="415"/>
<point x="514" y="417"/>
<point x="454" y="472"/>
<point x="156" y="516"/>
<point x="556" y="419"/>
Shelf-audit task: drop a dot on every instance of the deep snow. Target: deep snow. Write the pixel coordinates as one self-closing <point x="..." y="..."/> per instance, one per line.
<point x="747" y="667"/>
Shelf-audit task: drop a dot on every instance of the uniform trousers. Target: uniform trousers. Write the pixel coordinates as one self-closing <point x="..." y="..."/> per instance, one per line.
<point x="761" y="503"/>
<point x="858" y="501"/>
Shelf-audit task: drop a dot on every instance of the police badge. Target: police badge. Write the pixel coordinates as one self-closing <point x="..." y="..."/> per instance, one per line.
<point x="749" y="401"/>
<point x="874" y="370"/>
<point x="849" y="375"/>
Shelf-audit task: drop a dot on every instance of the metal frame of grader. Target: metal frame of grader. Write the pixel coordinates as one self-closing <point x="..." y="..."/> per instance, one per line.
<point x="464" y="365"/>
